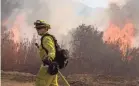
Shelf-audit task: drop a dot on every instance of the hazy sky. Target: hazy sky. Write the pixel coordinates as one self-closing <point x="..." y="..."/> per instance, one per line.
<point x="100" y="3"/>
<point x="95" y="3"/>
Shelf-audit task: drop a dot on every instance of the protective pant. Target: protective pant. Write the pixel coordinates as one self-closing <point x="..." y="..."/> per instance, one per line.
<point x="45" y="79"/>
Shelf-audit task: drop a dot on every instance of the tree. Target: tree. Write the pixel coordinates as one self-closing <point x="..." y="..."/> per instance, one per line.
<point x="90" y="54"/>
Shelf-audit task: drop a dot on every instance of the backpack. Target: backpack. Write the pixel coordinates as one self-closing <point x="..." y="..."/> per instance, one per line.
<point x="62" y="55"/>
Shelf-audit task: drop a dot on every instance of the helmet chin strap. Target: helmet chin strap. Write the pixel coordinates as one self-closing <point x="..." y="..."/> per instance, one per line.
<point x="43" y="33"/>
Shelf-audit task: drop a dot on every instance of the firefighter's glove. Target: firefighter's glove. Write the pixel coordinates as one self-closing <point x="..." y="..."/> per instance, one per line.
<point x="46" y="61"/>
<point x="53" y="68"/>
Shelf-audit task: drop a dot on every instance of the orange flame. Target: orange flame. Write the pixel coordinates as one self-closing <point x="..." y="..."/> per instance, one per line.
<point x="123" y="37"/>
<point x="16" y="27"/>
<point x="15" y="30"/>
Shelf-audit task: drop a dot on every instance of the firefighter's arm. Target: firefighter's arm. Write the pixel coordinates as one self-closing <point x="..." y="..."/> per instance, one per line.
<point x="48" y="43"/>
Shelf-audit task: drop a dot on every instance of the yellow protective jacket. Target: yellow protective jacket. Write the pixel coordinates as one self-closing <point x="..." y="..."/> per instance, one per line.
<point x="44" y="78"/>
<point x="48" y="43"/>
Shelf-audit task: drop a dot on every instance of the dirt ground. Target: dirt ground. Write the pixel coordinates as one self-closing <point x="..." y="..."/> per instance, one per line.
<point x="15" y="83"/>
<point x="24" y="79"/>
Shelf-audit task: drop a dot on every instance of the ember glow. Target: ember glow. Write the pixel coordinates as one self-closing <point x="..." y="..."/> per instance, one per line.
<point x="124" y="37"/>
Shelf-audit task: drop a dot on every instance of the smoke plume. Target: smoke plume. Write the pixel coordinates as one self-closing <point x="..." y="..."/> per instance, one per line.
<point x="62" y="15"/>
<point x="128" y="12"/>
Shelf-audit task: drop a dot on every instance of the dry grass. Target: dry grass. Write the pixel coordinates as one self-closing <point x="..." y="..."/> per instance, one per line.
<point x="24" y="79"/>
<point x="15" y="83"/>
<point x="17" y="79"/>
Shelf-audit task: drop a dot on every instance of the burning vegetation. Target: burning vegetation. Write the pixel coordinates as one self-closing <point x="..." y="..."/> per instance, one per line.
<point x="90" y="53"/>
<point x="121" y="37"/>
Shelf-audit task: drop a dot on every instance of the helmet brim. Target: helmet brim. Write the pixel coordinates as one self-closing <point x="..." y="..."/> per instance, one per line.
<point x="40" y="26"/>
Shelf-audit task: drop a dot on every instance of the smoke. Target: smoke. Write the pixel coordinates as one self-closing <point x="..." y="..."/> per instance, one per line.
<point x="62" y="15"/>
<point x="129" y="11"/>
<point x="7" y="7"/>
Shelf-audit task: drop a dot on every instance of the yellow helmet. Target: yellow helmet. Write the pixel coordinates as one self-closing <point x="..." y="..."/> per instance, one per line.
<point x="41" y="24"/>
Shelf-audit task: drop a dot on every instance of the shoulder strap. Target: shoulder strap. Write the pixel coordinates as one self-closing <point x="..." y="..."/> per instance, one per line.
<point x="42" y="41"/>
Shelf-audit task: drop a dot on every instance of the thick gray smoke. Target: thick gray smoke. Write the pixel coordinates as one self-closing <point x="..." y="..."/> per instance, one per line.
<point x="14" y="12"/>
<point x="130" y="11"/>
<point x="119" y="15"/>
<point x="7" y="7"/>
<point x="63" y="15"/>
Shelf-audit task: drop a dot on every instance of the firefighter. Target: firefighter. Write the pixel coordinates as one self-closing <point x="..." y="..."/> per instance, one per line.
<point x="47" y="75"/>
